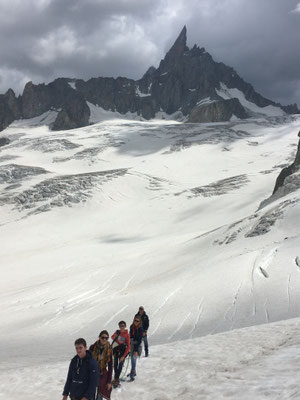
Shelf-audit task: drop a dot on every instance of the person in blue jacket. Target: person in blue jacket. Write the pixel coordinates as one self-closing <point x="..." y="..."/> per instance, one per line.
<point x="83" y="375"/>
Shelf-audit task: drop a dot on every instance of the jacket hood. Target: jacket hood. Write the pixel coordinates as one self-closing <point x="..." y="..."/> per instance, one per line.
<point x="87" y="356"/>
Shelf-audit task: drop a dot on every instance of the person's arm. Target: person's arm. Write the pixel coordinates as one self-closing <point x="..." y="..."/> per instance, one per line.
<point x="139" y="338"/>
<point x="68" y="382"/>
<point x="128" y="346"/>
<point x="146" y="327"/>
<point x="93" y="379"/>
<point x="114" y="336"/>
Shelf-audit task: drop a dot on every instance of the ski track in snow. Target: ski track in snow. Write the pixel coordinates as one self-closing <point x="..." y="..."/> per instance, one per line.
<point x="200" y="310"/>
<point x="166" y="300"/>
<point x="289" y="291"/>
<point x="116" y="314"/>
<point x="266" y="310"/>
<point x="233" y="305"/>
<point x="267" y="260"/>
<point x="180" y="326"/>
<point x="156" y="328"/>
<point x="128" y="282"/>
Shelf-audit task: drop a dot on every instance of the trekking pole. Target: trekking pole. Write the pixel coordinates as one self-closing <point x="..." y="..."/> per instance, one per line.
<point x="125" y="368"/>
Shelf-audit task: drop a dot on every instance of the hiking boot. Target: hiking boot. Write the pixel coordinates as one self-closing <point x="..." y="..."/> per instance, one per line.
<point x="115" y="383"/>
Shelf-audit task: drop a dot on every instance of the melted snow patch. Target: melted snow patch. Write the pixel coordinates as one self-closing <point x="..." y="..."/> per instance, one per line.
<point x="73" y="85"/>
<point x="140" y="94"/>
<point x="206" y="100"/>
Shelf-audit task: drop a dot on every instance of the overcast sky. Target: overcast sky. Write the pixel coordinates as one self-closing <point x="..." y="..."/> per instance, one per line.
<point x="41" y="40"/>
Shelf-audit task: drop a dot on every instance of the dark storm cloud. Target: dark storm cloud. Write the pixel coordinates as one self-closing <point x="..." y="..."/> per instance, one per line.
<point x="44" y="39"/>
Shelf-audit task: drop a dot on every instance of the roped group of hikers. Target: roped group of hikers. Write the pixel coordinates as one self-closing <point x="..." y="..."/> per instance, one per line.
<point x="90" y="371"/>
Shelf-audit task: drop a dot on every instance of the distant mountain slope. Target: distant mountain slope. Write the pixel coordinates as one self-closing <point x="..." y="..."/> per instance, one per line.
<point x="187" y="82"/>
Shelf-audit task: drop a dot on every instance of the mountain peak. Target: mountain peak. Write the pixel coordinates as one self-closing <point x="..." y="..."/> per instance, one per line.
<point x="179" y="46"/>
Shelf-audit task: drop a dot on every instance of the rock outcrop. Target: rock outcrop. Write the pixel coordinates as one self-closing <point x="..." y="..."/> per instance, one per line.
<point x="218" y="111"/>
<point x="4" y="141"/>
<point x="9" y="108"/>
<point x="187" y="81"/>
<point x="291" y="169"/>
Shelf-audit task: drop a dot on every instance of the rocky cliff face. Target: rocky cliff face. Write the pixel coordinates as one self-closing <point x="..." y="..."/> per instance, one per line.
<point x="187" y="80"/>
<point x="291" y="169"/>
<point x="218" y="111"/>
<point x="9" y="109"/>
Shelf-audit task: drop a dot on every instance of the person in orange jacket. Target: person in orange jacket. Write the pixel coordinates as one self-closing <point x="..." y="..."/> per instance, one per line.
<point x="121" y="348"/>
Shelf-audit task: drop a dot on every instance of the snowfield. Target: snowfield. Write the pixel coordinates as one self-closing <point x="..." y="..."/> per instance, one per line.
<point x="99" y="220"/>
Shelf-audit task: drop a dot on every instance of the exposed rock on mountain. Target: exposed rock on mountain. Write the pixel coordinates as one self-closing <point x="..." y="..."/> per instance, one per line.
<point x="288" y="180"/>
<point x="218" y="111"/>
<point x="4" y="141"/>
<point x="9" y="108"/>
<point x="12" y="173"/>
<point x="291" y="169"/>
<point x="187" y="81"/>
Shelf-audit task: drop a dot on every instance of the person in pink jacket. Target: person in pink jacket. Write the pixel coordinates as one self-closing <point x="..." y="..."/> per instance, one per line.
<point x="121" y="348"/>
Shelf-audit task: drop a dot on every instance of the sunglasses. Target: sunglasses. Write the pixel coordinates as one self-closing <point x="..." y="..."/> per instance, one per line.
<point x="104" y="337"/>
<point x="136" y="320"/>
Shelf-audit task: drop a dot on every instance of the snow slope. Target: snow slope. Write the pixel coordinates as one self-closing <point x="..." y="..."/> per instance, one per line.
<point x="230" y="93"/>
<point x="98" y="220"/>
<point x="261" y="363"/>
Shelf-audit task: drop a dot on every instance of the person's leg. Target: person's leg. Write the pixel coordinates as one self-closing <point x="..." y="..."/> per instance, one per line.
<point x="115" y="381"/>
<point x="119" y="369"/>
<point x="116" y="361"/>
<point x="140" y="350"/>
<point x="145" y="340"/>
<point x="99" y="397"/>
<point x="133" y="366"/>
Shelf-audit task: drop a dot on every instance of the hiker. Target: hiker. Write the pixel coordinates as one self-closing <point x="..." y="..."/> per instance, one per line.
<point x="102" y="352"/>
<point x="145" y="322"/>
<point x="136" y="336"/>
<point x="121" y="348"/>
<point x="83" y="375"/>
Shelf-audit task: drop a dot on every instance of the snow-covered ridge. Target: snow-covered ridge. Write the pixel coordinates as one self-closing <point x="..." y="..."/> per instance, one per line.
<point x="253" y="109"/>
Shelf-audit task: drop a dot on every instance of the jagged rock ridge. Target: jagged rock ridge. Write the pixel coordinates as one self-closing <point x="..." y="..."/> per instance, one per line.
<point x="187" y="80"/>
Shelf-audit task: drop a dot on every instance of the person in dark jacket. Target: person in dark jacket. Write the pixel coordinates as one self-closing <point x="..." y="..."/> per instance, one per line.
<point x="102" y="353"/>
<point x="145" y="322"/>
<point x="83" y="375"/>
<point x="121" y="348"/>
<point x="136" y="337"/>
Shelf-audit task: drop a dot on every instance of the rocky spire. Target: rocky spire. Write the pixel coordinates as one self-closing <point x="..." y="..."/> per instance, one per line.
<point x="179" y="46"/>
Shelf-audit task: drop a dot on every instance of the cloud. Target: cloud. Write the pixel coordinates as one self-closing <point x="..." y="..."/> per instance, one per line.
<point x="297" y="8"/>
<point x="41" y="40"/>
